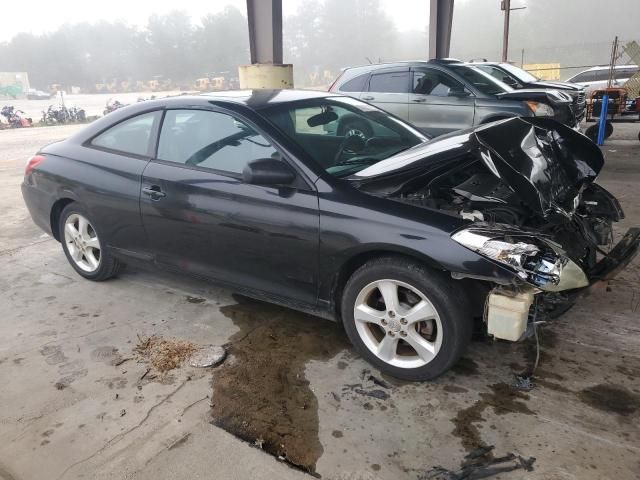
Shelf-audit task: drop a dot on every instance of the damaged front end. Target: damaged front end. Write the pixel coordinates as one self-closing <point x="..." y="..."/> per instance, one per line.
<point x="525" y="189"/>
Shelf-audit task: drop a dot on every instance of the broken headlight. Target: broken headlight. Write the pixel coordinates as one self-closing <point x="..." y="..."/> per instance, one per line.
<point x="540" y="109"/>
<point x="536" y="261"/>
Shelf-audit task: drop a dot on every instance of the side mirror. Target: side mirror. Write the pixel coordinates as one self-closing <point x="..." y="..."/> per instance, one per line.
<point x="268" y="171"/>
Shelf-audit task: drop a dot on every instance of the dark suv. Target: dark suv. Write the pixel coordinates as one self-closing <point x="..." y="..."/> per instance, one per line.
<point x="441" y="96"/>
<point x="518" y="78"/>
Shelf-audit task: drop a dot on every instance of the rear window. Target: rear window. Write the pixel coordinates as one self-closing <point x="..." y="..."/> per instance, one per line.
<point x="356" y="84"/>
<point x="396" y="82"/>
<point x="131" y="136"/>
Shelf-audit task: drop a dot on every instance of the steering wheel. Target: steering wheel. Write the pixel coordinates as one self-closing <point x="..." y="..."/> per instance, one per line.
<point x="350" y="144"/>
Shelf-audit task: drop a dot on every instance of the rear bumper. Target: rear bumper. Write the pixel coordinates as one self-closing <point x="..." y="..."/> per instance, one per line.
<point x="39" y="206"/>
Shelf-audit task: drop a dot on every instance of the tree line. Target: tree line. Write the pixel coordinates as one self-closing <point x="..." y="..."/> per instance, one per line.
<point x="320" y="38"/>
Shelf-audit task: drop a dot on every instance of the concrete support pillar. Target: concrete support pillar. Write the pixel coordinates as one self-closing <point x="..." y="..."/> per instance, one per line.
<point x="265" y="41"/>
<point x="440" y="20"/>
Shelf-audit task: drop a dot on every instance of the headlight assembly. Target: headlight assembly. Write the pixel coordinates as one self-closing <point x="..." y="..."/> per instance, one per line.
<point x="536" y="261"/>
<point x="540" y="109"/>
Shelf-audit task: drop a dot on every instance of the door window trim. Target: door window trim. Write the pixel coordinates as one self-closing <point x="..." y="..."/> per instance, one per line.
<point x="153" y="134"/>
<point x="301" y="182"/>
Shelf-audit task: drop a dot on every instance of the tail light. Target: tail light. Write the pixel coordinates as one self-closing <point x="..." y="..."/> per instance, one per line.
<point x="33" y="163"/>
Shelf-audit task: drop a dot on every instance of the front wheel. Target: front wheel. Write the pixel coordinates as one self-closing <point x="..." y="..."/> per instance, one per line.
<point x="409" y="321"/>
<point x="83" y="247"/>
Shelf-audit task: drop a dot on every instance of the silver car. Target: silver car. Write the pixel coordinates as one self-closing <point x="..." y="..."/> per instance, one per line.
<point x="441" y="96"/>
<point x="598" y="77"/>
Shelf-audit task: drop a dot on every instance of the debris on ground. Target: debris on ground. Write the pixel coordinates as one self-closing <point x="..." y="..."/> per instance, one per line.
<point x="380" y="382"/>
<point x="379" y="394"/>
<point x="162" y="354"/>
<point x="207" y="357"/>
<point x="523" y="382"/>
<point x="481" y="463"/>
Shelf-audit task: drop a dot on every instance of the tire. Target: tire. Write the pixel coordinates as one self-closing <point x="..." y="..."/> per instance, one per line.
<point x="592" y="131"/>
<point x="84" y="247"/>
<point x="608" y="129"/>
<point x="442" y="337"/>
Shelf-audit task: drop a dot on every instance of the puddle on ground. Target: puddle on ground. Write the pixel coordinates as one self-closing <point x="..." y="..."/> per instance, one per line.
<point x="261" y="394"/>
<point x="502" y="398"/>
<point x="611" y="398"/>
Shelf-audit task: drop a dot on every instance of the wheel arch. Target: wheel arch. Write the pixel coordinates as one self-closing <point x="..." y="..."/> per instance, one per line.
<point x="54" y="216"/>
<point x="358" y="258"/>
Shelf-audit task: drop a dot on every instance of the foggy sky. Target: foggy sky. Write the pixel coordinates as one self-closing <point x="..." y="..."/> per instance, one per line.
<point x="46" y="16"/>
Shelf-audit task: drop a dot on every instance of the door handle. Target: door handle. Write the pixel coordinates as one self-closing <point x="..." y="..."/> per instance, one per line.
<point x="419" y="100"/>
<point x="154" y="192"/>
<point x="368" y="97"/>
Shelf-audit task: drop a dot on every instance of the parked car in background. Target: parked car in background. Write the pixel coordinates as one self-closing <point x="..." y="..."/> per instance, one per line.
<point x="441" y="96"/>
<point x="405" y="241"/>
<point x="519" y="78"/>
<point x="598" y="77"/>
<point x="33" y="94"/>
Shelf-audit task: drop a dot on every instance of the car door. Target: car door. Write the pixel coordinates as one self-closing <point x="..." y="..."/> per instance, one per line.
<point x="388" y="89"/>
<point x="200" y="217"/>
<point x="438" y="103"/>
<point x="110" y="174"/>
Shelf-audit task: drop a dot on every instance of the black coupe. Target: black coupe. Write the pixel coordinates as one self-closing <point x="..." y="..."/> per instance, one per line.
<point x="404" y="240"/>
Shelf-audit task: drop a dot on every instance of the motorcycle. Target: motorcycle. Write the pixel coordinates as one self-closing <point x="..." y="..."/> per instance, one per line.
<point x="113" y="106"/>
<point x="62" y="114"/>
<point x="15" y="118"/>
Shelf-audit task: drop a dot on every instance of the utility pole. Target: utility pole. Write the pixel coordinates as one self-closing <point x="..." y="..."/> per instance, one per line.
<point x="505" y="6"/>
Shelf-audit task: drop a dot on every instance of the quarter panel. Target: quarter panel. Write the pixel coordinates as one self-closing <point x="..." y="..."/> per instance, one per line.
<point x="106" y="184"/>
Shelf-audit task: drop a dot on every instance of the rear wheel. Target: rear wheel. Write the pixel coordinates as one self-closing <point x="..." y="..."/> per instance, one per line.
<point x="407" y="320"/>
<point x="84" y="248"/>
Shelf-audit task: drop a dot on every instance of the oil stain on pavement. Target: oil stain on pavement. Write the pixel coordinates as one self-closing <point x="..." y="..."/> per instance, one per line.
<point x="502" y="398"/>
<point x="261" y="394"/>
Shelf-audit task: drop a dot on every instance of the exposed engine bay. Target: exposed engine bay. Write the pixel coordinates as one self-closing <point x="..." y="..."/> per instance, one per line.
<point x="479" y="196"/>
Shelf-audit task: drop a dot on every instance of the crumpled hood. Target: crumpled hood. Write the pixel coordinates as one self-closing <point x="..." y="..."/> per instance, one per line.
<point x="570" y="87"/>
<point x="545" y="162"/>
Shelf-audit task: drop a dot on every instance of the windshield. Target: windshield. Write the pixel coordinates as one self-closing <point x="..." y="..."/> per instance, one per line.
<point x="519" y="73"/>
<point x="342" y="134"/>
<point x="481" y="80"/>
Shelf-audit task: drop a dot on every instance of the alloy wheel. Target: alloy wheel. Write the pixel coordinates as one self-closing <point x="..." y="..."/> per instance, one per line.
<point x="82" y="242"/>
<point x="398" y="323"/>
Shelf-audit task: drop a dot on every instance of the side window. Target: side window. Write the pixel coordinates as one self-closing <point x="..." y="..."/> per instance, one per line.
<point x="624" y="73"/>
<point x="601" y="75"/>
<point x="396" y="82"/>
<point x="434" y="82"/>
<point x="355" y="84"/>
<point x="584" y="77"/>
<point x="131" y="136"/>
<point x="211" y="140"/>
